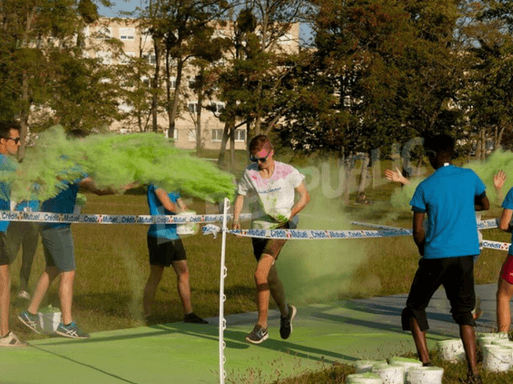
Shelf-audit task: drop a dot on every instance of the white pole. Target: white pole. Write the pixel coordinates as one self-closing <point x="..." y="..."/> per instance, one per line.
<point x="222" y="297"/>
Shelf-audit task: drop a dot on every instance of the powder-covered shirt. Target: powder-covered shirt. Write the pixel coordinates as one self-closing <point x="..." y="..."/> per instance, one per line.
<point x="508" y="204"/>
<point x="448" y="198"/>
<point x="165" y="231"/>
<point x="274" y="196"/>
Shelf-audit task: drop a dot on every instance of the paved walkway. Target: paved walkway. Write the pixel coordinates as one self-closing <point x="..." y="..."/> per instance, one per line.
<point x="344" y="331"/>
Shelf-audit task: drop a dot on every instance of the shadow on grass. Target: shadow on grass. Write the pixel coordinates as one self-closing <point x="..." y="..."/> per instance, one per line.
<point x="85" y="365"/>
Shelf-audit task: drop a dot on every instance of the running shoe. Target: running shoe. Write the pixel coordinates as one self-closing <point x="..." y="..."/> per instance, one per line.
<point x="257" y="335"/>
<point x="286" y="323"/>
<point x="11" y="340"/>
<point x="31" y="321"/>
<point x="194" y="319"/>
<point x="23" y="295"/>
<point x="72" y="331"/>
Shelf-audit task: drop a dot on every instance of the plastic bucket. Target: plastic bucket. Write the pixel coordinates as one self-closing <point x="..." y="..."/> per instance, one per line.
<point x="49" y="321"/>
<point x="451" y="350"/>
<point x="364" y="378"/>
<point x="425" y="375"/>
<point x="390" y="373"/>
<point x="363" y="366"/>
<point x="487" y="338"/>
<point x="188" y="228"/>
<point x="497" y="358"/>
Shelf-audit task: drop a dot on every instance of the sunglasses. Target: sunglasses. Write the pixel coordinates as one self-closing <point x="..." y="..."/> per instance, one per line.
<point x="15" y="139"/>
<point x="257" y="159"/>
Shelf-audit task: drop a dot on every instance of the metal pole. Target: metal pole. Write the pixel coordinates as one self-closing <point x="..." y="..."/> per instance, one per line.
<point x="222" y="297"/>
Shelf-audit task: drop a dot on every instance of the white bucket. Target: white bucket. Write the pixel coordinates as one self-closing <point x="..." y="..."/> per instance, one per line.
<point x="188" y="228"/>
<point x="503" y="342"/>
<point x="49" y="321"/>
<point x="364" y="378"/>
<point x="407" y="363"/>
<point x="425" y="375"/>
<point x="451" y="350"/>
<point x="390" y="373"/>
<point x="497" y="358"/>
<point x="363" y="366"/>
<point x="487" y="338"/>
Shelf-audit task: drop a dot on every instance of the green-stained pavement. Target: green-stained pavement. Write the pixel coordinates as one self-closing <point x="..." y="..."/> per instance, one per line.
<point x="344" y="331"/>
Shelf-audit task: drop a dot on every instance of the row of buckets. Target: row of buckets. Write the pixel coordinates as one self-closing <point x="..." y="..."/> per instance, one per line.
<point x="400" y="370"/>
<point x="497" y="351"/>
<point x="497" y="357"/>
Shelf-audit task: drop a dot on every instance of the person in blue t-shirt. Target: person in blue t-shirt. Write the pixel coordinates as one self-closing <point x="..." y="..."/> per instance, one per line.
<point x="450" y="198"/>
<point x="505" y="284"/>
<point x="9" y="144"/>
<point x="60" y="257"/>
<point x="166" y="249"/>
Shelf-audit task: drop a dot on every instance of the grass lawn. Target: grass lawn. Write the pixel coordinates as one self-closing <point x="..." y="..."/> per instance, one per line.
<point x="112" y="265"/>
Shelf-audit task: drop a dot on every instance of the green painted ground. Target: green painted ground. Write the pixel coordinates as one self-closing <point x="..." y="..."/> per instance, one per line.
<point x="184" y="353"/>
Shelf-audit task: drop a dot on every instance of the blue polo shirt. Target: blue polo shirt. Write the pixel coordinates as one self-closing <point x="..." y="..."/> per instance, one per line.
<point x="508" y="204"/>
<point x="448" y="197"/>
<point x="6" y="165"/>
<point x="166" y="231"/>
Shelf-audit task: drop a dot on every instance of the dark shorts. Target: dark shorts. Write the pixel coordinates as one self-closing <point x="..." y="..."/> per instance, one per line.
<point x="5" y="251"/>
<point x="507" y="269"/>
<point x="24" y="233"/>
<point x="456" y="274"/>
<point x="271" y="247"/>
<point x="59" y="249"/>
<point x="164" y="251"/>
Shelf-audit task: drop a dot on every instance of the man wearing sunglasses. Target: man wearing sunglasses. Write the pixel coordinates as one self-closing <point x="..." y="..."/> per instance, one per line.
<point x="9" y="144"/>
<point x="273" y="186"/>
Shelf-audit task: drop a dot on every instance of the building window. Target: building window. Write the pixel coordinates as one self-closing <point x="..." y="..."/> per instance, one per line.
<point x="125" y="58"/>
<point x="191" y="83"/>
<point x="240" y="135"/>
<point x="104" y="33"/>
<point x="192" y="135"/>
<point x="152" y="59"/>
<point x="193" y="107"/>
<point x="105" y="57"/>
<point x="217" y="134"/>
<point x="217" y="107"/>
<point x="127" y="33"/>
<point x="125" y="107"/>
<point x="173" y="82"/>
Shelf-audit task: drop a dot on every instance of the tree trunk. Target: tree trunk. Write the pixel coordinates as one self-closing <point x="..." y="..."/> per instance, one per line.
<point x="174" y="109"/>
<point x="348" y="163"/>
<point x="155" y="85"/>
<point x="228" y="127"/>
<point x="364" y="172"/>
<point x="198" y="121"/>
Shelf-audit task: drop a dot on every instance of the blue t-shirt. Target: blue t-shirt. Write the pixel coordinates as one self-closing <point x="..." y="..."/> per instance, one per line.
<point x="166" y="231"/>
<point x="448" y="198"/>
<point x="508" y="204"/>
<point x="64" y="202"/>
<point x="6" y="165"/>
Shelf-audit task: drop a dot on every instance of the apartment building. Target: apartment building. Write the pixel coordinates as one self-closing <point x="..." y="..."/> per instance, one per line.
<point x="137" y="43"/>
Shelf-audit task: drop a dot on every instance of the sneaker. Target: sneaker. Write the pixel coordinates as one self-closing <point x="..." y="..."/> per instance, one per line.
<point x="472" y="379"/>
<point x="257" y="335"/>
<point x="24" y="295"/>
<point x="72" y="331"/>
<point x="194" y="319"/>
<point x="11" y="340"/>
<point x="286" y="323"/>
<point x="31" y="321"/>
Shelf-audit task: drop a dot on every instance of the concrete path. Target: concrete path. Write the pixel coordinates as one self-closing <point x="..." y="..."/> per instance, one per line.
<point x="344" y="331"/>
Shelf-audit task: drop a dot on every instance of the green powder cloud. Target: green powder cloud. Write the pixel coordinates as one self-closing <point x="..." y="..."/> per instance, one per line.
<point x="114" y="161"/>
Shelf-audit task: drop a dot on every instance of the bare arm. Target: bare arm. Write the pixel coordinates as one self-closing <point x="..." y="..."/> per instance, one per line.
<point x="419" y="236"/>
<point x="505" y="223"/>
<point x="237" y="209"/>
<point x="396" y="176"/>
<point x="498" y="182"/>
<point x="166" y="201"/>
<point x="304" y="198"/>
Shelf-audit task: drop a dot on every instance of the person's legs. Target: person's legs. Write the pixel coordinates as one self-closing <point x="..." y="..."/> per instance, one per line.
<point x="29" y="247"/>
<point x="469" y="343"/>
<point x="5" y="299"/>
<point x="66" y="295"/>
<point x="156" y="272"/>
<point x="277" y="291"/>
<point x="419" y="337"/>
<point x="44" y="282"/>
<point x="261" y="279"/>
<point x="504" y="294"/>
<point x="182" y="280"/>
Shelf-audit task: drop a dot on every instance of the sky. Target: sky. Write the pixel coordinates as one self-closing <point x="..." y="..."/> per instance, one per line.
<point x="130" y="5"/>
